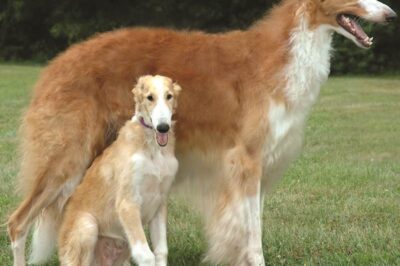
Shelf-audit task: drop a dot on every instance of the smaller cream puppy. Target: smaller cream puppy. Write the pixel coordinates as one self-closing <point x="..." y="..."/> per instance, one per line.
<point x="127" y="187"/>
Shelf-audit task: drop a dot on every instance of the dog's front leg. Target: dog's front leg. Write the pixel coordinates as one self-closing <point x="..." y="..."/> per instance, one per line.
<point x="253" y="217"/>
<point x="129" y="215"/>
<point x="158" y="235"/>
<point x="250" y="197"/>
<point x="234" y="228"/>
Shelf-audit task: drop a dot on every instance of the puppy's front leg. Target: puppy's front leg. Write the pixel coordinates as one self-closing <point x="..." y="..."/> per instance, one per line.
<point x="158" y="235"/>
<point x="129" y="215"/>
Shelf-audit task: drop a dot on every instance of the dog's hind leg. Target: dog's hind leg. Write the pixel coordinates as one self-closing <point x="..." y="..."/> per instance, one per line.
<point x="56" y="150"/>
<point x="21" y="220"/>
<point x="45" y="234"/>
<point x="78" y="239"/>
<point x="234" y="229"/>
<point x="18" y="249"/>
<point x="48" y="191"/>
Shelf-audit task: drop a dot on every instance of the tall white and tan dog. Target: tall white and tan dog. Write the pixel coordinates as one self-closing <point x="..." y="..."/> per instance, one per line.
<point x="241" y="115"/>
<point x="126" y="186"/>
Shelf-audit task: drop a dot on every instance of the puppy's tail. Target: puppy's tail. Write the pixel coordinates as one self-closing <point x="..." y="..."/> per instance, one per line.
<point x="44" y="237"/>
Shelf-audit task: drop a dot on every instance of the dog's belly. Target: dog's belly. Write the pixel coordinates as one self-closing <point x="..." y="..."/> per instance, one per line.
<point x="199" y="172"/>
<point x="199" y="177"/>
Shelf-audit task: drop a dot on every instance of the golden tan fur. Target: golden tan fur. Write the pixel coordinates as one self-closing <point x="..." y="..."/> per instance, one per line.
<point x="230" y="79"/>
<point x="106" y="202"/>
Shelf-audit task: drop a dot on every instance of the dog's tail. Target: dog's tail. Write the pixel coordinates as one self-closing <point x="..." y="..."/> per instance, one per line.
<point x="44" y="237"/>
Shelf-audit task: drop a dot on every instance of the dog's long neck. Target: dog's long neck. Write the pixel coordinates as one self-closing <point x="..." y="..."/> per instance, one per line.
<point x="145" y="129"/>
<point x="299" y="52"/>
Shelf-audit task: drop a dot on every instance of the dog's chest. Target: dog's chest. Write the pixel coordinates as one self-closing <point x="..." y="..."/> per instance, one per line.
<point x="154" y="174"/>
<point x="284" y="139"/>
<point x="303" y="77"/>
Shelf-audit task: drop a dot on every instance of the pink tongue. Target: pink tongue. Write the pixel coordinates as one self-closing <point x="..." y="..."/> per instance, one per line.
<point x="359" y="32"/>
<point x="162" y="138"/>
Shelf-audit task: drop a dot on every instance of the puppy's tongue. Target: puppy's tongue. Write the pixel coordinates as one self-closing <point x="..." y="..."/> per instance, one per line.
<point x="162" y="138"/>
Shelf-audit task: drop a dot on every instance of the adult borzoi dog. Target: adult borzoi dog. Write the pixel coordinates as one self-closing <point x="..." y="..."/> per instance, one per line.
<point x="241" y="116"/>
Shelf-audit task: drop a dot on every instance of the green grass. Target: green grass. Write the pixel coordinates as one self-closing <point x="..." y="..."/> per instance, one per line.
<point x="339" y="204"/>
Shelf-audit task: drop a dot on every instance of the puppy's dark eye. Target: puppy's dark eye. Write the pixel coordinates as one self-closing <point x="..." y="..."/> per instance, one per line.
<point x="169" y="96"/>
<point x="150" y="98"/>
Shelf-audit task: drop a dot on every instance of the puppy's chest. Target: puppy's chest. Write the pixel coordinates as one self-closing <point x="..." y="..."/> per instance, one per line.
<point x="153" y="175"/>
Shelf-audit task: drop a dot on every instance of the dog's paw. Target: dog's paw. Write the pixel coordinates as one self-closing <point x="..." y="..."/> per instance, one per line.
<point x="255" y="258"/>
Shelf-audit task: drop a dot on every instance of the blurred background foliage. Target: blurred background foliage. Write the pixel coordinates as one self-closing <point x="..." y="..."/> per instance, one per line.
<point x="36" y="30"/>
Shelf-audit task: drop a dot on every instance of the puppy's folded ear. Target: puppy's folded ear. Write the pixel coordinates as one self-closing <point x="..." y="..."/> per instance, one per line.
<point x="177" y="89"/>
<point x="140" y="84"/>
<point x="138" y="89"/>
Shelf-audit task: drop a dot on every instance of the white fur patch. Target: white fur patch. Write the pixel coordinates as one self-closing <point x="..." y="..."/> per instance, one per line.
<point x="307" y="70"/>
<point x="44" y="239"/>
<point x="158" y="82"/>
<point x="161" y="112"/>
<point x="153" y="174"/>
<point x="18" y="248"/>
<point x="235" y="233"/>
<point x="157" y="164"/>
<point x="309" y="66"/>
<point x="19" y="243"/>
<point x="158" y="234"/>
<point x="375" y="10"/>
<point x="227" y="233"/>
<point x="139" y="162"/>
<point x="254" y="247"/>
<point x="142" y="254"/>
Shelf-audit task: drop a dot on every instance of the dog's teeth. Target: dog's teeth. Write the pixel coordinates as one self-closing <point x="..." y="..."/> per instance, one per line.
<point x="368" y="40"/>
<point x="347" y="21"/>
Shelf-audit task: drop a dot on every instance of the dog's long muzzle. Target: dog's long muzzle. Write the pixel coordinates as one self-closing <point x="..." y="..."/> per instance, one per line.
<point x="162" y="130"/>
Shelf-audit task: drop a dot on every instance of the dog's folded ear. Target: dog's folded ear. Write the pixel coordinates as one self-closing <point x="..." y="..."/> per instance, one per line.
<point x="177" y="89"/>
<point x="140" y="83"/>
<point x="138" y="89"/>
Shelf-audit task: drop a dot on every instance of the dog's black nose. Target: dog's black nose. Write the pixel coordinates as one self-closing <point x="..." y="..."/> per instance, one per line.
<point x="163" y="128"/>
<point x="391" y="16"/>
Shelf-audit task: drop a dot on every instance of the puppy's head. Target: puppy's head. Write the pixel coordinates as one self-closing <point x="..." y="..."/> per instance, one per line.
<point x="156" y="101"/>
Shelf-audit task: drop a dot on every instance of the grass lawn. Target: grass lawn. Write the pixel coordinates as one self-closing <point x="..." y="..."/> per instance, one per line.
<point x="339" y="204"/>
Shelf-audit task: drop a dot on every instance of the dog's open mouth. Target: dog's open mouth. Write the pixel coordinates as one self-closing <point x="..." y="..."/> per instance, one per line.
<point x="350" y="24"/>
<point x="162" y="138"/>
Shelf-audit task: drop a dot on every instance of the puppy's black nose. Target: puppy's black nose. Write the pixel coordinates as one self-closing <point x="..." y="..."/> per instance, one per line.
<point x="163" y="128"/>
<point x="391" y="16"/>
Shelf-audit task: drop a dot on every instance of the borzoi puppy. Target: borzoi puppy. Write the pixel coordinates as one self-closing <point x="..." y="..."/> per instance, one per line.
<point x="126" y="187"/>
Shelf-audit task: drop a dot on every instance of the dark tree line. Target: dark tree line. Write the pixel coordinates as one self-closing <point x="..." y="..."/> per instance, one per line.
<point x="39" y="29"/>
